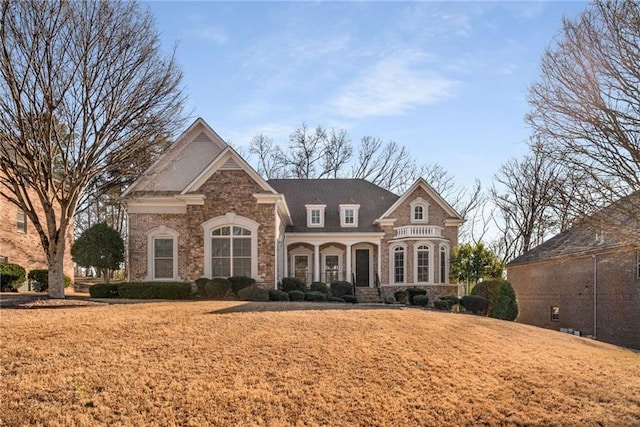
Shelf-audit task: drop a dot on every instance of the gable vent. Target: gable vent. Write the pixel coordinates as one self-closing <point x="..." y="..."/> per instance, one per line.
<point x="230" y="165"/>
<point x="202" y="138"/>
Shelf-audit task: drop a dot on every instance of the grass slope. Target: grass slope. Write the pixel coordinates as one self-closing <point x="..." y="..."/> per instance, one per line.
<point x="227" y="363"/>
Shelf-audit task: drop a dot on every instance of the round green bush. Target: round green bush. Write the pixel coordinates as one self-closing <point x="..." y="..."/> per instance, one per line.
<point x="315" y="296"/>
<point x="296" y="296"/>
<point x="320" y="287"/>
<point x="200" y="284"/>
<point x="277" y="295"/>
<point x="350" y="298"/>
<point x="11" y="277"/>
<point x="340" y="288"/>
<point x="475" y="304"/>
<point x="441" y="304"/>
<point x="104" y="290"/>
<point x="400" y="296"/>
<point x="413" y="292"/>
<point x="241" y="282"/>
<point x="292" y="284"/>
<point x="421" y="300"/>
<point x="501" y="296"/>
<point x="217" y="288"/>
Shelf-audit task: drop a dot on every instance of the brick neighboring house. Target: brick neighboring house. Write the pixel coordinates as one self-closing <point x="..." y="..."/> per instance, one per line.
<point x="581" y="280"/>
<point x="20" y="242"/>
<point x="202" y="211"/>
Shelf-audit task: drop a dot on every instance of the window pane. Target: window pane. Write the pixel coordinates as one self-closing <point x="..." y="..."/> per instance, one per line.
<point x="443" y="265"/>
<point x="423" y="264"/>
<point x="220" y="267"/>
<point x="222" y="231"/>
<point x="163" y="248"/>
<point x="220" y="247"/>
<point x="241" y="247"/>
<point x="398" y="259"/>
<point x="242" y="267"/>
<point x="315" y="216"/>
<point x="418" y="213"/>
<point x="21" y="221"/>
<point x="163" y="268"/>
<point x="239" y="231"/>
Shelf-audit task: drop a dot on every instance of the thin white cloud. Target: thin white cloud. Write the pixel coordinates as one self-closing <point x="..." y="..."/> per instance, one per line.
<point x="392" y="87"/>
<point x="213" y="34"/>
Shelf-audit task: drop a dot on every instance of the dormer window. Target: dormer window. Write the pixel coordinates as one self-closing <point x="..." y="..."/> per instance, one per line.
<point x="315" y="216"/>
<point x="349" y="215"/>
<point x="419" y="211"/>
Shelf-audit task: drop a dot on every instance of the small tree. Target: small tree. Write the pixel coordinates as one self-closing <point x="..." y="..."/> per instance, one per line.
<point x="470" y="263"/>
<point x="100" y="246"/>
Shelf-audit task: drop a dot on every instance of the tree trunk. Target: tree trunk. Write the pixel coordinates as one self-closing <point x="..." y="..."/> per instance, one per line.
<point x="56" y="269"/>
<point x="105" y="275"/>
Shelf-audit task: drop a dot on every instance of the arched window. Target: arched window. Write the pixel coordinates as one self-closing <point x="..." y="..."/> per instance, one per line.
<point x="162" y="254"/>
<point x="398" y="265"/>
<point x="418" y="213"/>
<point x="422" y="264"/>
<point x="230" y="251"/>
<point x="231" y="246"/>
<point x="443" y="264"/>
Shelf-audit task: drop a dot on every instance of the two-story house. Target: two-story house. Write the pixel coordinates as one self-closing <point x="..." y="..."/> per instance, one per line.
<point x="202" y="211"/>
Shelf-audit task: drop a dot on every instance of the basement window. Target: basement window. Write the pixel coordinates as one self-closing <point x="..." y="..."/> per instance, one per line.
<point x="555" y="314"/>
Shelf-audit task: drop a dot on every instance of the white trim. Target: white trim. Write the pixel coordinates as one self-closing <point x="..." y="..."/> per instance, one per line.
<point x="392" y="262"/>
<point x="430" y="265"/>
<point x="161" y="232"/>
<point x="218" y="163"/>
<point x="310" y="209"/>
<point x="422" y="203"/>
<point x="343" y="211"/>
<point x="336" y="237"/>
<point x="231" y="219"/>
<point x="447" y="254"/>
<point x="421" y="183"/>
<point x="280" y="202"/>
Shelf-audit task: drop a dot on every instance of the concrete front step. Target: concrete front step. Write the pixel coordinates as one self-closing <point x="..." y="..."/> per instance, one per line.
<point x="368" y="295"/>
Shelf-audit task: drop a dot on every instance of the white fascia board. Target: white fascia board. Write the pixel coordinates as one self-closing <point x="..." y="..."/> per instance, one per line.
<point x="385" y="221"/>
<point x="420" y="182"/>
<point x="343" y="238"/>
<point x="156" y="205"/>
<point x="453" y="222"/>
<point x="192" y="199"/>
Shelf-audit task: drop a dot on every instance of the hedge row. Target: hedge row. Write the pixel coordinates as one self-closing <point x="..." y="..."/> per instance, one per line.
<point x="144" y="290"/>
<point x="14" y="275"/>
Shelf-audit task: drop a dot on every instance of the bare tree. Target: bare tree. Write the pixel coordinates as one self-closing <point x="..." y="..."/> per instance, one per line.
<point x="84" y="89"/>
<point x="269" y="156"/>
<point x="586" y="105"/>
<point x="525" y="201"/>
<point x="388" y="165"/>
<point x="337" y="153"/>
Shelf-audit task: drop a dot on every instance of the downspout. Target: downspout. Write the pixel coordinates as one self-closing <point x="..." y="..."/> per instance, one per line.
<point x="595" y="296"/>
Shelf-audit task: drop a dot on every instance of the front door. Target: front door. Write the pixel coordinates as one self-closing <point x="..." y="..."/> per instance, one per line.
<point x="362" y="267"/>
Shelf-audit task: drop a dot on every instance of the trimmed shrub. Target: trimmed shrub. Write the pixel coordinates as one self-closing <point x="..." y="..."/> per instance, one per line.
<point x="217" y="288"/>
<point x="412" y="292"/>
<point x="154" y="290"/>
<point x="502" y="298"/>
<point x="241" y="282"/>
<point x="441" y="304"/>
<point x="200" y="284"/>
<point x="421" y="300"/>
<point x="400" y="296"/>
<point x="389" y="300"/>
<point x="293" y="284"/>
<point x="296" y="296"/>
<point x="340" y="288"/>
<point x="104" y="290"/>
<point x="350" y="298"/>
<point x="41" y="276"/>
<point x="450" y="300"/>
<point x="315" y="296"/>
<point x="335" y="299"/>
<point x="276" y="295"/>
<point x="253" y="293"/>
<point x="11" y="277"/>
<point x="319" y="287"/>
<point x="475" y="303"/>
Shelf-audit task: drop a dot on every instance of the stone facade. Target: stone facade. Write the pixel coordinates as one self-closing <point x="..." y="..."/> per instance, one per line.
<point x="23" y="248"/>
<point x="227" y="191"/>
<point x="568" y="283"/>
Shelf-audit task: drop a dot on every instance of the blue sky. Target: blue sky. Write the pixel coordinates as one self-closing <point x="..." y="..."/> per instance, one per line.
<point x="446" y="79"/>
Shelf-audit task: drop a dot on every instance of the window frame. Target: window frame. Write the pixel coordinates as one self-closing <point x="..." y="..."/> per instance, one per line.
<point x="162" y="232"/>
<point x="419" y="202"/>
<point x="232" y="238"/>
<point x="443" y="261"/>
<point x="400" y="248"/>
<point x="230" y="219"/>
<point x="311" y="209"/>
<point x="555" y="313"/>
<point x="344" y="208"/>
<point x="416" y="255"/>
<point x="21" y="221"/>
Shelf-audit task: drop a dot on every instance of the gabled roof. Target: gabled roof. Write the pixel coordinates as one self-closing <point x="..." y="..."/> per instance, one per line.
<point x="421" y="183"/>
<point x="611" y="227"/>
<point x="179" y="166"/>
<point x="373" y="201"/>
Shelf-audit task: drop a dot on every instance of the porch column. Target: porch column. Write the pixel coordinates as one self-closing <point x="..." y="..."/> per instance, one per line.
<point x="380" y="263"/>
<point x="316" y="263"/>
<point x="348" y="262"/>
<point x="286" y="259"/>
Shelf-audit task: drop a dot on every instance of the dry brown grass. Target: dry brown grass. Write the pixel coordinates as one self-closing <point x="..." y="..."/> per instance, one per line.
<point x="229" y="363"/>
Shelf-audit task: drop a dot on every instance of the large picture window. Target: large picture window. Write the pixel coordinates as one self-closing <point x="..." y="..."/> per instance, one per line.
<point x="231" y="252"/>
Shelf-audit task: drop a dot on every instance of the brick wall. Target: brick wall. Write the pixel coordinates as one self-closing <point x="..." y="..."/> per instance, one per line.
<point x="25" y="248"/>
<point x="569" y="284"/>
<point x="226" y="191"/>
